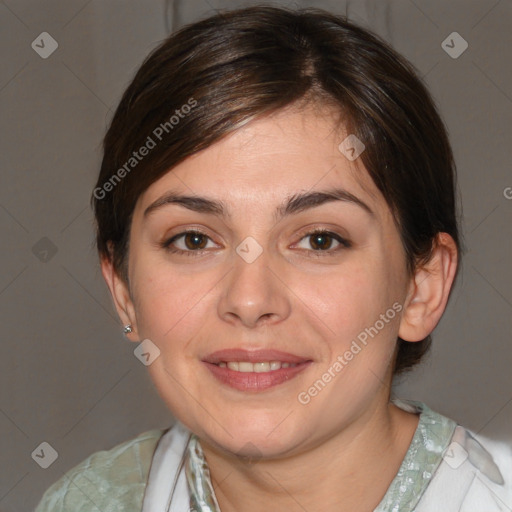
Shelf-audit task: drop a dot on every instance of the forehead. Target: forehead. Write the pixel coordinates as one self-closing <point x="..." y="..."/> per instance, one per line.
<point x="270" y="158"/>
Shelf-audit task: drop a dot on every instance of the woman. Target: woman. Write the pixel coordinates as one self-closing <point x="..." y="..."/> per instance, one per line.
<point x="276" y="223"/>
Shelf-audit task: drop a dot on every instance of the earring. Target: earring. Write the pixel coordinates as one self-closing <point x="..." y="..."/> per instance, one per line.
<point x="127" y="329"/>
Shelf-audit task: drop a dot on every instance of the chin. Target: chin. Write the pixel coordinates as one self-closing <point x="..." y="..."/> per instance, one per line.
<point x="254" y="439"/>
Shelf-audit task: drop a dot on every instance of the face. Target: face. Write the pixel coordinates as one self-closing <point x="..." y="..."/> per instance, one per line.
<point x="275" y="308"/>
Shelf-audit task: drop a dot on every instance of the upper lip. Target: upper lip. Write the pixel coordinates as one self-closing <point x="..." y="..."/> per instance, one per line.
<point x="253" y="356"/>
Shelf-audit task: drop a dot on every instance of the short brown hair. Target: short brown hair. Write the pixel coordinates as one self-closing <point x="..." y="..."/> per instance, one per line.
<point x="238" y="65"/>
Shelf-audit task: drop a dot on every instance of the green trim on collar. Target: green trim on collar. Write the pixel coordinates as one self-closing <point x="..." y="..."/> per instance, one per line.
<point x="431" y="438"/>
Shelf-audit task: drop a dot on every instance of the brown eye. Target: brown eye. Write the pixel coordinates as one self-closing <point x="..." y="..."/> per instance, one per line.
<point x="189" y="243"/>
<point x="195" y="240"/>
<point x="321" y="241"/>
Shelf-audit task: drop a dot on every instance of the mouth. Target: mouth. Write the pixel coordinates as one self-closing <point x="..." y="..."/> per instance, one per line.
<point x="254" y="370"/>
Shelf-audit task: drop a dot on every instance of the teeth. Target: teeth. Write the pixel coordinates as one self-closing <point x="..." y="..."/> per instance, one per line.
<point x="261" y="367"/>
<point x="246" y="366"/>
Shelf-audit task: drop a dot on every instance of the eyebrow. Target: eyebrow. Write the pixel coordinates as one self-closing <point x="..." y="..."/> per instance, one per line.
<point x="292" y="205"/>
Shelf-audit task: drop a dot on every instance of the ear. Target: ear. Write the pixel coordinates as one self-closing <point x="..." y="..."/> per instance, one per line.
<point x="429" y="291"/>
<point x="121" y="297"/>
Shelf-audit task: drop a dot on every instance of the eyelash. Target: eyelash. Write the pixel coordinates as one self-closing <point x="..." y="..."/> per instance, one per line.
<point x="344" y="244"/>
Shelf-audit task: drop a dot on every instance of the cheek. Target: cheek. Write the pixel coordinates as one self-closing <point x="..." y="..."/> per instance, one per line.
<point x="359" y="327"/>
<point x="172" y="308"/>
<point x="347" y="301"/>
<point x="169" y="304"/>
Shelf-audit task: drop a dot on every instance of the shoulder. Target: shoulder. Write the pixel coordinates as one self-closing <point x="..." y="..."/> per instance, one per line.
<point x="468" y="471"/>
<point x="475" y="474"/>
<point x="107" y="480"/>
<point x="490" y="462"/>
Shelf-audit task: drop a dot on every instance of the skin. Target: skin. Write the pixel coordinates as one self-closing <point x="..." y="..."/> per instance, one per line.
<point x="292" y="298"/>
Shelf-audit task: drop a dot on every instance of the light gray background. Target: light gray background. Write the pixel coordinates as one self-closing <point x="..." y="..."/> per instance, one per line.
<point x="68" y="377"/>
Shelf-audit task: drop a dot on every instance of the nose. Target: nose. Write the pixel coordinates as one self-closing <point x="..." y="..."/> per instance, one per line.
<point x="254" y="293"/>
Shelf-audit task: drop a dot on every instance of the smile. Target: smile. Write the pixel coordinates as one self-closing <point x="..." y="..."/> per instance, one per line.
<point x="254" y="371"/>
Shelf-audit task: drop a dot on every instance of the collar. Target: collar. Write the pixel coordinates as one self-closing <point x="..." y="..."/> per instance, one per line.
<point x="425" y="453"/>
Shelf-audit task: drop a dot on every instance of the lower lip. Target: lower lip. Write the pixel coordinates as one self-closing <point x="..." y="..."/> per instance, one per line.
<point x="252" y="381"/>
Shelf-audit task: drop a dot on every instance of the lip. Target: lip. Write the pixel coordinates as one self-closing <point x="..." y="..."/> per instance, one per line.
<point x="254" y="381"/>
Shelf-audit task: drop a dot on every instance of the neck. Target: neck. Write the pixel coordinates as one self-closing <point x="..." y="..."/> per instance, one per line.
<point x="370" y="452"/>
